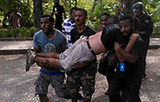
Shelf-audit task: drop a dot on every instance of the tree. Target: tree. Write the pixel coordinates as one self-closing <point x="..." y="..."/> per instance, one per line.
<point x="38" y="12"/>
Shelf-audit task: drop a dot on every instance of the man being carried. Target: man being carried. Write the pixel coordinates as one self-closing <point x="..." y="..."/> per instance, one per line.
<point x="83" y="50"/>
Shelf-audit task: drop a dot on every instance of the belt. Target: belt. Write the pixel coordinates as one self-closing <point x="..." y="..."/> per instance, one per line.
<point x="53" y="73"/>
<point x="90" y="48"/>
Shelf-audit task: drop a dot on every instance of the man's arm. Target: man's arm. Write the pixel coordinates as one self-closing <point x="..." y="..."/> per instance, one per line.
<point x="19" y="14"/>
<point x="48" y="55"/>
<point x="125" y="56"/>
<point x="37" y="50"/>
<point x="129" y="46"/>
<point x="131" y="42"/>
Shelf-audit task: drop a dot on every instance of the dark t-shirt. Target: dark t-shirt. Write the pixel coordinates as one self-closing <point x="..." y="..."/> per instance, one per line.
<point x="111" y="34"/>
<point x="58" y="10"/>
<point x="135" y="70"/>
<point x="75" y="35"/>
<point x="145" y="25"/>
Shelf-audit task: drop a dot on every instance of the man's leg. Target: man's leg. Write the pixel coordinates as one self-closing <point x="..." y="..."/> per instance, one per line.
<point x="88" y="82"/>
<point x="59" y="86"/>
<point x="48" y="55"/>
<point x="116" y="85"/>
<point x="41" y="87"/>
<point x="68" y="51"/>
<point x="109" y="75"/>
<point x="43" y="98"/>
<point x="73" y="85"/>
<point x="48" y="62"/>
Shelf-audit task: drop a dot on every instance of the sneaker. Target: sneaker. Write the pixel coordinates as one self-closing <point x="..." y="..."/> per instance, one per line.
<point x="31" y="52"/>
<point x="29" y="59"/>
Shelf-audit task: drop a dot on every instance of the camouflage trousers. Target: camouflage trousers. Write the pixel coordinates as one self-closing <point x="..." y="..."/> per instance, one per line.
<point x="80" y="78"/>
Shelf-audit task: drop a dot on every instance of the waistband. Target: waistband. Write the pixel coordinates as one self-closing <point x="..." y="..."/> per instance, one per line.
<point x="90" y="48"/>
<point x="53" y="73"/>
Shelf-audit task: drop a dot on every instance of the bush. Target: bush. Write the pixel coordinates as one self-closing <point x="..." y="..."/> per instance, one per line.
<point x="22" y="32"/>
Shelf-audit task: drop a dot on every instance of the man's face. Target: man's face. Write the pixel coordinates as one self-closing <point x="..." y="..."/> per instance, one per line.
<point x="46" y="25"/>
<point x="80" y="18"/>
<point x="104" y="19"/>
<point x="125" y="27"/>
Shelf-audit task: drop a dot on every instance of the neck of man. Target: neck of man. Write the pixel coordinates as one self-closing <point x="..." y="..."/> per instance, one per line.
<point x="81" y="27"/>
<point x="51" y="34"/>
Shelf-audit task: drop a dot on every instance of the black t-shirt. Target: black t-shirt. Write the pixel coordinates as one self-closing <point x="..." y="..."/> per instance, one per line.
<point x="145" y="25"/>
<point x="58" y="10"/>
<point x="75" y="35"/>
<point x="111" y="34"/>
<point x="135" y="70"/>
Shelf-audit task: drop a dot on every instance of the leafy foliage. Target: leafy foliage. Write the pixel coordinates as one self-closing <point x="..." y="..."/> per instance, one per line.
<point x="108" y="6"/>
<point x="94" y="7"/>
<point x="22" y="32"/>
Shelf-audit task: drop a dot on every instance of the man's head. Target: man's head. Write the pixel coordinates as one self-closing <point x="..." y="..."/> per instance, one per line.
<point x="113" y="19"/>
<point x="126" y="25"/>
<point x="104" y="18"/>
<point x="56" y="2"/>
<point x="138" y="8"/>
<point x="47" y="23"/>
<point x="80" y="16"/>
<point x="72" y="13"/>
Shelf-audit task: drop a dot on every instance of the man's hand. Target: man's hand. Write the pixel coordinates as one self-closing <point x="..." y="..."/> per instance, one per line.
<point x="100" y="27"/>
<point x="104" y="56"/>
<point x="44" y="63"/>
<point x="112" y="61"/>
<point x="117" y="46"/>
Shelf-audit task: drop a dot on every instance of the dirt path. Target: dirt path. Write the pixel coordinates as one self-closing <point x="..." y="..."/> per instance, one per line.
<point x="17" y="86"/>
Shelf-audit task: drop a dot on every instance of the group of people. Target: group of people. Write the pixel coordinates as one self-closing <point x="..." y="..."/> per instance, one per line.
<point x="118" y="38"/>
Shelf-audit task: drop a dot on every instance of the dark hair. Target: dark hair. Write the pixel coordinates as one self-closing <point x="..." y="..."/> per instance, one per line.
<point x="125" y="17"/>
<point x="73" y="8"/>
<point x="105" y="13"/>
<point x="113" y="19"/>
<point x="51" y="19"/>
<point x="83" y="10"/>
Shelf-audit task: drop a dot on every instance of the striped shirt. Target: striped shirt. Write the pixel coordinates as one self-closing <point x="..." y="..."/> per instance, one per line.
<point x="67" y="27"/>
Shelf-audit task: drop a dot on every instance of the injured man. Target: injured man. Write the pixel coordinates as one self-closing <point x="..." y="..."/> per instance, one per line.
<point x="83" y="50"/>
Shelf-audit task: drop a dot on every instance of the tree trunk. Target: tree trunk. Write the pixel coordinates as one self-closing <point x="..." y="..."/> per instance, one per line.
<point x="93" y="7"/>
<point x="126" y="5"/>
<point x="75" y="3"/>
<point x="38" y="12"/>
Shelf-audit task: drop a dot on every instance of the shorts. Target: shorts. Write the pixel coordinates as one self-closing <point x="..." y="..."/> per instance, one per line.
<point x="57" y="82"/>
<point x="77" y="53"/>
<point x="84" y="77"/>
